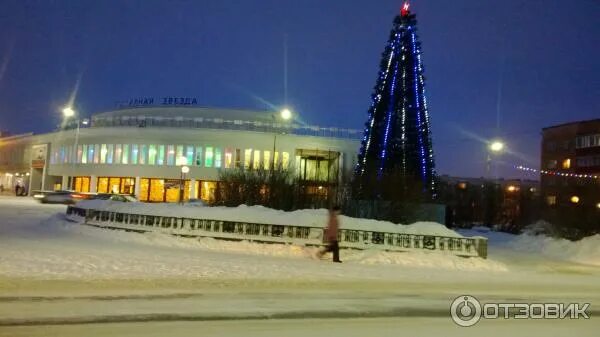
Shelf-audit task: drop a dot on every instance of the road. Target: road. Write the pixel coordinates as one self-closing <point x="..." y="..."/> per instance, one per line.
<point x="60" y="279"/>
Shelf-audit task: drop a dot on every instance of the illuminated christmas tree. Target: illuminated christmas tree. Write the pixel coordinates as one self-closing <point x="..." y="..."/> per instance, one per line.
<point x="396" y="152"/>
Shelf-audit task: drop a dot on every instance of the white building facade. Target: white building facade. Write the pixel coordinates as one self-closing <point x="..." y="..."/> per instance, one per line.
<point x="142" y="150"/>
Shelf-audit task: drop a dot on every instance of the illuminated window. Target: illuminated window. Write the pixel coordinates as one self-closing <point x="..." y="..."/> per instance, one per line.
<point x="179" y="153"/>
<point x="566" y="164"/>
<point x="285" y="160"/>
<point x="575" y="199"/>
<point x="276" y="160"/>
<point x="267" y="159"/>
<point x="247" y="158"/>
<point x="171" y="155"/>
<point x="152" y="155"/>
<point x="256" y="160"/>
<point x="228" y="158"/>
<point x="198" y="155"/>
<point x="90" y="154"/>
<point x="208" y="157"/>
<point x="189" y="155"/>
<point x="84" y="154"/>
<point x="125" y="158"/>
<point x="110" y="153"/>
<point x="161" y="155"/>
<point x="238" y="158"/>
<point x="79" y="154"/>
<point x="102" y="185"/>
<point x="134" y="153"/>
<point x="462" y="186"/>
<point x="96" y="153"/>
<point x="118" y="154"/>
<point x="103" y="152"/>
<point x="143" y="154"/>
<point x="218" y="157"/>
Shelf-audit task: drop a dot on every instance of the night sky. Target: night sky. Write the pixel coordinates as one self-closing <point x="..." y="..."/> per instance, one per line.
<point x="542" y="54"/>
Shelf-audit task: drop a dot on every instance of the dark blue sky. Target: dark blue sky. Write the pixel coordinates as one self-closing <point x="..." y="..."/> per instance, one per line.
<point x="226" y="53"/>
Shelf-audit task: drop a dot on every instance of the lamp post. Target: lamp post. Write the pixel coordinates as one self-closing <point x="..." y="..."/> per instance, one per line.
<point x="68" y="113"/>
<point x="286" y="115"/>
<point x="182" y="161"/>
<point x="495" y="147"/>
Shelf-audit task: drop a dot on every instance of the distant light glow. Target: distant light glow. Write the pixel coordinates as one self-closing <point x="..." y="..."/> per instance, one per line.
<point x="575" y="199"/>
<point x="497" y="146"/>
<point x="286" y="114"/>
<point x="68" y="111"/>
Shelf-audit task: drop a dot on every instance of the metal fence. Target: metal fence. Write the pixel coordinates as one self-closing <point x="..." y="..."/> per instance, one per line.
<point x="277" y="233"/>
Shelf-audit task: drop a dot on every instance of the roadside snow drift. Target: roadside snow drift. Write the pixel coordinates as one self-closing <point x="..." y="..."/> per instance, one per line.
<point x="259" y="214"/>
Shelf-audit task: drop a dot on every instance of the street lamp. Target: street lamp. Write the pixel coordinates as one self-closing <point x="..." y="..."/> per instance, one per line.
<point x="68" y="111"/>
<point x="182" y="161"/>
<point x="495" y="147"/>
<point x="285" y="115"/>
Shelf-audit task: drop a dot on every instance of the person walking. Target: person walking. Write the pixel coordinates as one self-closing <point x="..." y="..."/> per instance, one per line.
<point x="331" y="234"/>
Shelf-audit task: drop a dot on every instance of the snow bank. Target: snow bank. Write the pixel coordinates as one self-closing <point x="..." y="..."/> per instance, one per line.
<point x="585" y="251"/>
<point x="260" y="214"/>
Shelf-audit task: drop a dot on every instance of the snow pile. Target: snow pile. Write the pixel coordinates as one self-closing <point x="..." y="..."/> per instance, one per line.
<point x="260" y="214"/>
<point x="585" y="251"/>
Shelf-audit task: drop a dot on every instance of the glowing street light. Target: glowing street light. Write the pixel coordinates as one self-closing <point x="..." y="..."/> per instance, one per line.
<point x="496" y="146"/>
<point x="68" y="112"/>
<point x="575" y="199"/>
<point x="286" y="114"/>
<point x="185" y="169"/>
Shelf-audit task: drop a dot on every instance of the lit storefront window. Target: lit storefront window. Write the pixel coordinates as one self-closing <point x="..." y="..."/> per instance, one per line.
<point x="82" y="184"/>
<point x="208" y="157"/>
<point x="247" y="158"/>
<point x="102" y="185"/>
<point x="207" y="191"/>
<point x="276" y="160"/>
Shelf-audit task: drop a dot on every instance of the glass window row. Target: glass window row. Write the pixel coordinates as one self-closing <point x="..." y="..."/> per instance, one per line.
<point x="170" y="155"/>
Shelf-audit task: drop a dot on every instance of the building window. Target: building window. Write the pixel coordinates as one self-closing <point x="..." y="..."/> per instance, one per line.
<point x="96" y="153"/>
<point x="110" y="153"/>
<point x="267" y="159"/>
<point x="179" y="153"/>
<point x="84" y="154"/>
<point x="189" y="155"/>
<point x="552" y="164"/>
<point x="171" y="155"/>
<point x="228" y="158"/>
<point x="134" y="154"/>
<point x="218" y="157"/>
<point x="208" y="157"/>
<point x="256" y="160"/>
<point x="125" y="158"/>
<point x="90" y="154"/>
<point x="551" y="200"/>
<point x="151" y="154"/>
<point x="118" y="154"/>
<point x="238" y="158"/>
<point x="79" y="154"/>
<point x="103" y="152"/>
<point x="247" y="158"/>
<point x="566" y="164"/>
<point x="198" y="155"/>
<point x="143" y="154"/>
<point x="102" y="185"/>
<point x="161" y="155"/>
<point x="276" y="160"/>
<point x="285" y="160"/>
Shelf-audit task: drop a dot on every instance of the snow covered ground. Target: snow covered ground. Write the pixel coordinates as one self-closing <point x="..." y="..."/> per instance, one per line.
<point x="56" y="272"/>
